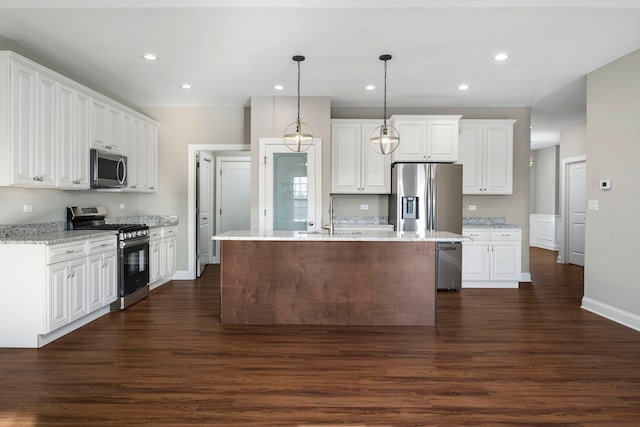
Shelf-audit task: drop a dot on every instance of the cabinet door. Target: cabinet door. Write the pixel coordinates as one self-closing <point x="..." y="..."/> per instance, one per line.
<point x="82" y="140"/>
<point x="23" y="88"/>
<point x="498" y="159"/>
<point x="77" y="288"/>
<point x="505" y="260"/>
<point x="58" y="296"/>
<point x="110" y="277"/>
<point x="170" y="255"/>
<point x="346" y="141"/>
<point x="155" y="260"/>
<point x="114" y="130"/>
<point x="99" y="120"/>
<point x="95" y="266"/>
<point x="376" y="168"/>
<point x="66" y="137"/>
<point x="150" y="157"/>
<point x="471" y="157"/>
<point x="413" y="138"/>
<point x="44" y="152"/>
<point x="475" y="260"/>
<point x="442" y="140"/>
<point x="132" y="142"/>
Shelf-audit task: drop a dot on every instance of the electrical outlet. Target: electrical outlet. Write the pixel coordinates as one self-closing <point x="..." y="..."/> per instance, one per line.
<point x="473" y="207"/>
<point x="27" y="208"/>
<point x="364" y="207"/>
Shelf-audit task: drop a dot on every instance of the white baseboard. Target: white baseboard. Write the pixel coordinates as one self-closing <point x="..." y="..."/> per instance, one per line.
<point x="612" y="313"/>
<point x="486" y="284"/>
<point x="54" y="335"/>
<point x="182" y="275"/>
<point x="525" y="277"/>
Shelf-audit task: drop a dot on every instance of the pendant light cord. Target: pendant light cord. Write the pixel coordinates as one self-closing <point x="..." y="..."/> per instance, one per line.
<point x="298" y="91"/>
<point x="385" y="94"/>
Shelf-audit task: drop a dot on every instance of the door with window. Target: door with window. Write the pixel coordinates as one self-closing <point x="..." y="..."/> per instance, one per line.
<point x="290" y="188"/>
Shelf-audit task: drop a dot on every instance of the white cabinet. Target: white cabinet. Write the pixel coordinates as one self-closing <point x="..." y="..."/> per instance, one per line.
<point x="492" y="259"/>
<point x="163" y="254"/>
<point x="355" y="167"/>
<point x="486" y="153"/>
<point x="134" y="150"/>
<point x="55" y="288"/>
<point x="426" y="138"/>
<point x="49" y="122"/>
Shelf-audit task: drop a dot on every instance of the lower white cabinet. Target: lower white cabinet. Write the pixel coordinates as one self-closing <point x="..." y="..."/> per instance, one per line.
<point x="492" y="259"/>
<point x="163" y="254"/>
<point x="54" y="288"/>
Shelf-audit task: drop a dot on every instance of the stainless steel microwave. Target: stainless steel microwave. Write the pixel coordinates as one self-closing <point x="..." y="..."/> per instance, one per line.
<point x="108" y="170"/>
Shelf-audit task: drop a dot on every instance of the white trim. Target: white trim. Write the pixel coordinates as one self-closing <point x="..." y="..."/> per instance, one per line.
<point x="542" y="231"/>
<point x="564" y="203"/>
<point x="70" y="327"/>
<point x="191" y="197"/>
<point x="181" y="275"/>
<point x="490" y="284"/>
<point x="525" y="277"/>
<point x="610" y="312"/>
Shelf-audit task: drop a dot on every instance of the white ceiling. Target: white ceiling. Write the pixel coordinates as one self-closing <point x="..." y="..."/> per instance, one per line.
<point x="230" y="50"/>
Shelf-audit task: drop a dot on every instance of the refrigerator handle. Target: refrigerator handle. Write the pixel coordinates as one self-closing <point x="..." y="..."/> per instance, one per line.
<point x="432" y="195"/>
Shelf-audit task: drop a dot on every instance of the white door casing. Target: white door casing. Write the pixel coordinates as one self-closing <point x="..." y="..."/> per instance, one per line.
<point x="564" y="224"/>
<point x="233" y="196"/>
<point x="271" y="146"/>
<point x="204" y="202"/>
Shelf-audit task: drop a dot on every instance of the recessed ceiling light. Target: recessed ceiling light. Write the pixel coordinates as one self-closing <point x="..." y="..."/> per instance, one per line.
<point x="278" y="87"/>
<point x="150" y="57"/>
<point x="463" y="87"/>
<point x="370" y="87"/>
<point x="501" y="57"/>
<point x="186" y="86"/>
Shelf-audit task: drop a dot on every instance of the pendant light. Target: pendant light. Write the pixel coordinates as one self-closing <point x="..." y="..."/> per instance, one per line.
<point x="298" y="136"/>
<point x="385" y="138"/>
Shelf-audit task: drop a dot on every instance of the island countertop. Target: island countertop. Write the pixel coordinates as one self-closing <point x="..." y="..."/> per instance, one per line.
<point x="341" y="236"/>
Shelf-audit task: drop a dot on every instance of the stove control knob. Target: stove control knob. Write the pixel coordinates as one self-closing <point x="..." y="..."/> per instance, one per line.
<point x="139" y="233"/>
<point x="128" y="235"/>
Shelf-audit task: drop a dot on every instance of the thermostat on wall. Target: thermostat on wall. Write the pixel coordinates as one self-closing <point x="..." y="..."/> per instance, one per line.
<point x="605" y="184"/>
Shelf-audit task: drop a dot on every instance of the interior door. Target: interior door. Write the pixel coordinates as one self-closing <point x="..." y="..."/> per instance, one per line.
<point x="577" y="211"/>
<point x="233" y="196"/>
<point x="203" y="204"/>
<point x="290" y="190"/>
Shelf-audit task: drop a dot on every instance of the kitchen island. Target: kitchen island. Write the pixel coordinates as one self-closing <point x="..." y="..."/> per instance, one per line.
<point x="344" y="278"/>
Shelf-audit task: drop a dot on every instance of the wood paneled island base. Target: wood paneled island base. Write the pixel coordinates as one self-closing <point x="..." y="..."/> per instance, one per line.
<point x="328" y="283"/>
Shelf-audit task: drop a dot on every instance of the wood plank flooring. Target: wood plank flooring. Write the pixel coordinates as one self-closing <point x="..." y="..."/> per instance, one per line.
<point x="527" y="356"/>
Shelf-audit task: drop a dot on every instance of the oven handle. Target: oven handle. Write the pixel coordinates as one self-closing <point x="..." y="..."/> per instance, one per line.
<point x="134" y="242"/>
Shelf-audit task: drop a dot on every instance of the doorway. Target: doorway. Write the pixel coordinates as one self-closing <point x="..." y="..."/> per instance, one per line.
<point x="574" y="203"/>
<point x="204" y="204"/>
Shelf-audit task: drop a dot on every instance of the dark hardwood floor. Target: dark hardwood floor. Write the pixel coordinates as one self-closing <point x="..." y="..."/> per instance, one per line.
<point x="527" y="356"/>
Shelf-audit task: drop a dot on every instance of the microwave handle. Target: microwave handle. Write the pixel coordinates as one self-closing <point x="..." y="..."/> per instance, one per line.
<point x="124" y="171"/>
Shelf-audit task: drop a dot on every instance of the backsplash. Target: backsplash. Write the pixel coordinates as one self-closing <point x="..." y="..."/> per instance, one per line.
<point x="144" y="219"/>
<point x="351" y="221"/>
<point x="484" y="221"/>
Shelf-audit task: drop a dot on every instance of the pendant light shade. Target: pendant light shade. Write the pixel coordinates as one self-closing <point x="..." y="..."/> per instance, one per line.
<point x="298" y="136"/>
<point x="385" y="138"/>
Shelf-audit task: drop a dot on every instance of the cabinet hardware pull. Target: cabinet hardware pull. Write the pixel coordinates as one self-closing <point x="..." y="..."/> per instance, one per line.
<point x="70" y="252"/>
<point x="103" y="245"/>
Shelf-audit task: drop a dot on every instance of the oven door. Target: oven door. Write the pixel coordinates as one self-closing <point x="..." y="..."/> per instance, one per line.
<point x="134" y="265"/>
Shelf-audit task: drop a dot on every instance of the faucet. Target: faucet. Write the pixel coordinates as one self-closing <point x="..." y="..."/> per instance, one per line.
<point x="330" y="227"/>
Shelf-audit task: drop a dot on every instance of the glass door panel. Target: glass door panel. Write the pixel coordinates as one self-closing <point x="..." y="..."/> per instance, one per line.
<point x="290" y="191"/>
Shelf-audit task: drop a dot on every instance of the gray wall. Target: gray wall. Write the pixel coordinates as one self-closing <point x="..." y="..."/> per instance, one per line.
<point x="545" y="179"/>
<point x="613" y="151"/>
<point x="573" y="141"/>
<point x="514" y="207"/>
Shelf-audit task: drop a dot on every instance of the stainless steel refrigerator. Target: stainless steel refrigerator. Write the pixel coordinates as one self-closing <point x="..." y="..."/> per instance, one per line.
<point x="428" y="197"/>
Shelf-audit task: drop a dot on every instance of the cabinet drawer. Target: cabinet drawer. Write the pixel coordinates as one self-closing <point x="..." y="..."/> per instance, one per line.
<point x="101" y="245"/>
<point x="505" y="235"/>
<point x="65" y="251"/>
<point x="155" y="233"/>
<point x="169" y="232"/>
<point x="477" y="234"/>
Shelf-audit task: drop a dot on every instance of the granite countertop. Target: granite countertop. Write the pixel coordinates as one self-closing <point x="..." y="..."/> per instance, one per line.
<point x="55" y="237"/>
<point x="487" y="222"/>
<point x="368" y="236"/>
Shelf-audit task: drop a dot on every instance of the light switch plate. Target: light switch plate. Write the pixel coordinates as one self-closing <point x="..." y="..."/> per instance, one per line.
<point x="593" y="205"/>
<point x="27" y="208"/>
<point x="473" y="207"/>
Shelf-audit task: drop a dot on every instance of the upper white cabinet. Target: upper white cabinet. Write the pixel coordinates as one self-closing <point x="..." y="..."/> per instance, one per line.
<point x="426" y="138"/>
<point x="355" y="167"/>
<point x="48" y="123"/>
<point x="149" y="159"/>
<point x="486" y="152"/>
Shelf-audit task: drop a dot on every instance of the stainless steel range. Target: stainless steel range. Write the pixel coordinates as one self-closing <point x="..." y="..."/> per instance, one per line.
<point x="133" y="252"/>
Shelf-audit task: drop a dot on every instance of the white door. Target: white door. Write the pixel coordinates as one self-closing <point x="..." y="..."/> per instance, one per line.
<point x="577" y="211"/>
<point x="290" y="187"/>
<point x="233" y="196"/>
<point x="204" y="202"/>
